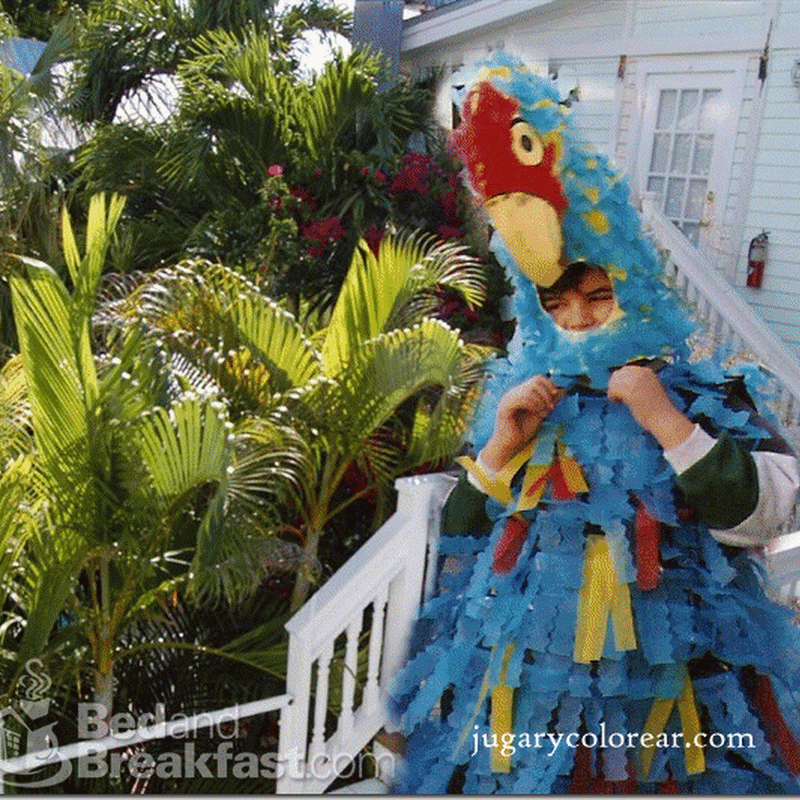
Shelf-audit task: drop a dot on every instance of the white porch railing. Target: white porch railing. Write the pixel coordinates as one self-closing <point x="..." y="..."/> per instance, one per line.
<point x="728" y="317"/>
<point x="368" y="606"/>
<point x="349" y="640"/>
<point x="384" y="580"/>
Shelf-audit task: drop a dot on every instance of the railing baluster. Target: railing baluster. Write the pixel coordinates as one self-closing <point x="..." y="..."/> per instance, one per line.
<point x="375" y="648"/>
<point x="349" y="676"/>
<point x="321" y="699"/>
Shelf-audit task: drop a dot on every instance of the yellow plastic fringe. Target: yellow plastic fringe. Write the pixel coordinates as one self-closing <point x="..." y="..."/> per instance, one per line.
<point x="660" y="712"/>
<point x="573" y="474"/>
<point x="533" y="486"/>
<point x="498" y="487"/>
<point x="502" y="698"/>
<point x="601" y="597"/>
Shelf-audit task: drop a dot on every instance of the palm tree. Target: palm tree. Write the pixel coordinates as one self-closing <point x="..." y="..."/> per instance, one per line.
<point x="32" y="137"/>
<point x="381" y="384"/>
<point x="121" y="488"/>
<point x="195" y="182"/>
<point x="125" y="46"/>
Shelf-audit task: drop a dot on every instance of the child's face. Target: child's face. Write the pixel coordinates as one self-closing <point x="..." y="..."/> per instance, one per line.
<point x="585" y="306"/>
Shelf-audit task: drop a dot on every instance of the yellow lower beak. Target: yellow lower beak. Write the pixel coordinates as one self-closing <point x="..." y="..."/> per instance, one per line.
<point x="531" y="231"/>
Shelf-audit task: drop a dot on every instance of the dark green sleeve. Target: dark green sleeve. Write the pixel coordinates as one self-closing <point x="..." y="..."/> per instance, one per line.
<point x="464" y="512"/>
<point x="723" y="485"/>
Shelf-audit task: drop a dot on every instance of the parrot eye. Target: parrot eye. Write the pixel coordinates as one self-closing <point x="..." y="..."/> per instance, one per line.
<point x="526" y="144"/>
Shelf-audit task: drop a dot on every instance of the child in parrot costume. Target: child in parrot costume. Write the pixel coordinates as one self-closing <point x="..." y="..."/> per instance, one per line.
<point x="599" y="625"/>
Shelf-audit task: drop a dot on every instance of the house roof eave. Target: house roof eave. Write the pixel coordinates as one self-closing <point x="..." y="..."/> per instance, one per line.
<point x="462" y="17"/>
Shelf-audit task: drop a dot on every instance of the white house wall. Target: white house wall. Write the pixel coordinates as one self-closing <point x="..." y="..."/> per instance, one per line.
<point x="586" y="40"/>
<point x="682" y="18"/>
<point x="775" y="199"/>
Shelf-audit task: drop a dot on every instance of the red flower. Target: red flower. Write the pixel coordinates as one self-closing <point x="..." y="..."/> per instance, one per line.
<point x="449" y="205"/>
<point x="275" y="170"/>
<point x="381" y="178"/>
<point x="322" y="231"/>
<point x="446" y="310"/>
<point x="449" y="232"/>
<point x="302" y="193"/>
<point x="414" y="175"/>
<point x="364" y="172"/>
<point x="373" y="237"/>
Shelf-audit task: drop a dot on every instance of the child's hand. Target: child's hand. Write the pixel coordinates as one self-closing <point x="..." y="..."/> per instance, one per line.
<point x="519" y="415"/>
<point x="641" y="390"/>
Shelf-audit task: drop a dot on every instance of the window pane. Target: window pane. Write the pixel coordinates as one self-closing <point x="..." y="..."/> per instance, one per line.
<point x="687" y="110"/>
<point x="661" y="142"/>
<point x="701" y="163"/>
<point x="674" y="200"/>
<point x="712" y="110"/>
<point x="655" y="184"/>
<point x="695" y="199"/>
<point x="666" y="108"/>
<point x="680" y="153"/>
<point x="691" y="230"/>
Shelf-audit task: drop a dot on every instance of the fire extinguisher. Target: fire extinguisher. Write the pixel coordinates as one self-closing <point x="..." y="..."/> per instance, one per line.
<point x="756" y="258"/>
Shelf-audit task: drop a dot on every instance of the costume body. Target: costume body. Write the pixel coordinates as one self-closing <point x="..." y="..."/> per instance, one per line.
<point x="589" y="634"/>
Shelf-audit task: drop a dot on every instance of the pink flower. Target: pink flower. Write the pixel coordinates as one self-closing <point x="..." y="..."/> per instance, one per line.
<point x="275" y="170"/>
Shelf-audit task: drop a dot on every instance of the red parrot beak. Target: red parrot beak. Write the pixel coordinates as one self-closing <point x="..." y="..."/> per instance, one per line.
<point x="517" y="175"/>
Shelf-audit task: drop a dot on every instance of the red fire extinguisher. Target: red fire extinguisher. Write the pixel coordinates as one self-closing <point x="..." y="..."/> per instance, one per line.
<point x="756" y="257"/>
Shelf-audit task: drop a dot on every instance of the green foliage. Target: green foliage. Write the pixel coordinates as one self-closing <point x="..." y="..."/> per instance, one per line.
<point x="120" y="488"/>
<point x="125" y="45"/>
<point x="28" y="215"/>
<point x="381" y="386"/>
<point x="36" y="19"/>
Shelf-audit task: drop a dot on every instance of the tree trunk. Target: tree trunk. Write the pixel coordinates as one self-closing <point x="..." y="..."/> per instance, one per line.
<point x="303" y="582"/>
<point x="104" y="657"/>
<point x="104" y="691"/>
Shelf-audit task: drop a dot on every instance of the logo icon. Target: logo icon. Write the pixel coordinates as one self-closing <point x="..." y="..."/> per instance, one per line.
<point x="25" y="732"/>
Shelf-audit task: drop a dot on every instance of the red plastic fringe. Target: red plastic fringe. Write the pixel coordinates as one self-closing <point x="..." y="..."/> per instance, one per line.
<point x="777" y="730"/>
<point x="508" y="548"/>
<point x="581" y="772"/>
<point x="648" y="539"/>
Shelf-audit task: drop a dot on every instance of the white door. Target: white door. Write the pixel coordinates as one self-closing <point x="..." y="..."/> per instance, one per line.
<point x="689" y="123"/>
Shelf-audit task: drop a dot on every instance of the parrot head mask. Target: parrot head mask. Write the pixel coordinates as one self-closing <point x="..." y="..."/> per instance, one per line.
<point x="555" y="202"/>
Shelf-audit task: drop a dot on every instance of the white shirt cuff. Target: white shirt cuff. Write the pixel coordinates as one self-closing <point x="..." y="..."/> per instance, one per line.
<point x="491" y="473"/>
<point x="690" y="451"/>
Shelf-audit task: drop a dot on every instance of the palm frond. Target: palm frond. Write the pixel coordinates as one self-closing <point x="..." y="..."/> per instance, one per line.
<point x="395" y="289"/>
<point x="385" y="372"/>
<point x="15" y="412"/>
<point x="331" y="103"/>
<point x="220" y="322"/>
<point x="56" y="391"/>
<point x="185" y="447"/>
